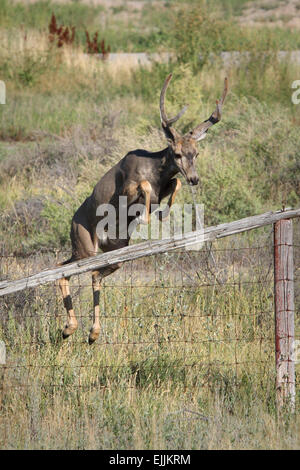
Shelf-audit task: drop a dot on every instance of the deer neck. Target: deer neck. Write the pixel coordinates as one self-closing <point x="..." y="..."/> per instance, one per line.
<point x="167" y="168"/>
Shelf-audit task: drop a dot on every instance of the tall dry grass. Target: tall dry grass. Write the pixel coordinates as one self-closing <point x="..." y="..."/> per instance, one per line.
<point x="182" y="362"/>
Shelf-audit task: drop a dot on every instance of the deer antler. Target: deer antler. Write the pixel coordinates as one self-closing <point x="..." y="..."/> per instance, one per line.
<point x="200" y="131"/>
<point x="164" y="120"/>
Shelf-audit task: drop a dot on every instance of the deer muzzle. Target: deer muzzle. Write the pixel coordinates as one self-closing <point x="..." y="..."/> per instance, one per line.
<point x="193" y="180"/>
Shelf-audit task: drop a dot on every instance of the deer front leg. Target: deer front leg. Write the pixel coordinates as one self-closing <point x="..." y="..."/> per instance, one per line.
<point x="72" y="324"/>
<point x="134" y="190"/>
<point x="146" y="189"/>
<point x="172" y="188"/>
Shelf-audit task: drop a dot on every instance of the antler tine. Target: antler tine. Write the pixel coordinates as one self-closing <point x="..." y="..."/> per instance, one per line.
<point x="163" y="115"/>
<point x="164" y="119"/>
<point x="200" y="131"/>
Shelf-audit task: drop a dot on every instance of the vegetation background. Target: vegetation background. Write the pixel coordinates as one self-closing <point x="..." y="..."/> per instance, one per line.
<point x="68" y="117"/>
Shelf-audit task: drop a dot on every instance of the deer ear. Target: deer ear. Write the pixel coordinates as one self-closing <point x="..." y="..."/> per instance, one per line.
<point x="171" y="134"/>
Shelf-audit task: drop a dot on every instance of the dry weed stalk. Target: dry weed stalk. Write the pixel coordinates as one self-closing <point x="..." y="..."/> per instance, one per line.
<point x="63" y="35"/>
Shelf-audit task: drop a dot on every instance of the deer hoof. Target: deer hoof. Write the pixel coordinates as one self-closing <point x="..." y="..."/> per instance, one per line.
<point x="68" y="331"/>
<point x="94" y="334"/>
<point x="65" y="335"/>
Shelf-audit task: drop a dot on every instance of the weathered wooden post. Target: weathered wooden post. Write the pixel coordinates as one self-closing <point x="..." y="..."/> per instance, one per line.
<point x="284" y="313"/>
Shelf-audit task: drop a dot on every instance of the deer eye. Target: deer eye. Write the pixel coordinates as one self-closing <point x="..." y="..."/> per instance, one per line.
<point x="177" y="155"/>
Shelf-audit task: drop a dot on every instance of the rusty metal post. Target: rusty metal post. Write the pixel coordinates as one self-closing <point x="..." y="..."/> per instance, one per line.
<point x="284" y="313"/>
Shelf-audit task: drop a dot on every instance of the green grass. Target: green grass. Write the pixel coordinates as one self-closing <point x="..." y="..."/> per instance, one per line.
<point x="129" y="35"/>
<point x="192" y="369"/>
<point x="37" y="15"/>
<point x="248" y="163"/>
<point x="165" y="26"/>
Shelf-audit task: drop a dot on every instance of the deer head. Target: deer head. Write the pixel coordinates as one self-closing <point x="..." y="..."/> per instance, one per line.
<point x="183" y="148"/>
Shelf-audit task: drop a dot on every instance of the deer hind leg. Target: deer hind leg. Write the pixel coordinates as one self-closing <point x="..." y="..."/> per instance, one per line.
<point x="97" y="277"/>
<point x="172" y="189"/>
<point x="82" y="247"/>
<point x="72" y="324"/>
<point x="95" y="330"/>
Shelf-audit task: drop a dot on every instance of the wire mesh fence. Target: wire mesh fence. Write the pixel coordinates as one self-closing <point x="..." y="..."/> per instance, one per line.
<point x="205" y="310"/>
<point x="187" y="320"/>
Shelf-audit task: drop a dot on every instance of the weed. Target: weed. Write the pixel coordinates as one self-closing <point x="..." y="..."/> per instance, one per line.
<point x="63" y="35"/>
<point x="93" y="47"/>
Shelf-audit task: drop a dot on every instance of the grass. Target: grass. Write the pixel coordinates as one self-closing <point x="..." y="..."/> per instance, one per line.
<point x="155" y="26"/>
<point x="172" y="380"/>
<point x="37" y="15"/>
<point x="163" y="374"/>
<point x="69" y="139"/>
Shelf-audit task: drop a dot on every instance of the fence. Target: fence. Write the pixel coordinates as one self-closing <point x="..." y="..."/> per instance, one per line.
<point x="200" y="319"/>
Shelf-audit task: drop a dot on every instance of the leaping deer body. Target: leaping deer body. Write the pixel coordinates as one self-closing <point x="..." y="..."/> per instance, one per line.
<point x="145" y="178"/>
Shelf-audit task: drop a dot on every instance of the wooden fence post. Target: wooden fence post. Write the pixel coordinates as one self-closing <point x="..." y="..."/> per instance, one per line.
<point x="284" y="313"/>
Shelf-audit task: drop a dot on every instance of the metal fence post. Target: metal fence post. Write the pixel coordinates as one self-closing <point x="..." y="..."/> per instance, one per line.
<point x="284" y="313"/>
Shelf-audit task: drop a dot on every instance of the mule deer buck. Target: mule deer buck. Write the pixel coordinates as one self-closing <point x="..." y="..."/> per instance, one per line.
<point x="143" y="177"/>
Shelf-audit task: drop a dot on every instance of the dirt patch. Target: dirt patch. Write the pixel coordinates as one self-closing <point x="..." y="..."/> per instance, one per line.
<point x="272" y="13"/>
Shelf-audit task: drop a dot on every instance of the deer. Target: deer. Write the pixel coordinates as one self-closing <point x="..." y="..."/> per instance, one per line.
<point x="143" y="177"/>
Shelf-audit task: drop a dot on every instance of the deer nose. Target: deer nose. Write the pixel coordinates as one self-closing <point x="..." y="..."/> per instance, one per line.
<point x="194" y="180"/>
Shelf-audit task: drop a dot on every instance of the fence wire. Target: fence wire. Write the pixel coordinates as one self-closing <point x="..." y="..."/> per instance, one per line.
<point x="191" y="319"/>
